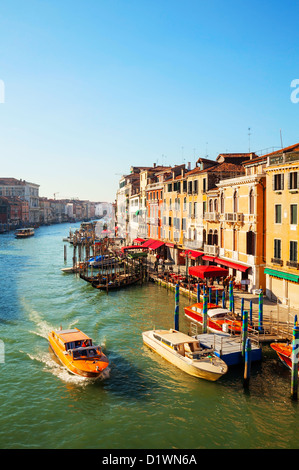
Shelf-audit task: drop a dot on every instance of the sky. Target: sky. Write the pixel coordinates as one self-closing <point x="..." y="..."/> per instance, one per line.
<point x="89" y="88"/>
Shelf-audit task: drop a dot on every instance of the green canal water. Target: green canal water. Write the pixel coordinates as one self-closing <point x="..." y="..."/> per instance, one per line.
<point x="146" y="403"/>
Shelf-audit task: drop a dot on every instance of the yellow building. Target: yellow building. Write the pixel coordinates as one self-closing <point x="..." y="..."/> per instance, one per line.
<point x="282" y="269"/>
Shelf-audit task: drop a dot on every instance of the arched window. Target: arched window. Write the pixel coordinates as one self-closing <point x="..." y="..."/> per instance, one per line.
<point x="211" y="205"/>
<point x="216" y="205"/>
<point x="251" y="202"/>
<point x="210" y="237"/>
<point x="215" y="237"/>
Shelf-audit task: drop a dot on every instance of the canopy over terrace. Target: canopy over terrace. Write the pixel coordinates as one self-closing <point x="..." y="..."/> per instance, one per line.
<point x="152" y="244"/>
<point x="191" y="254"/>
<point x="207" y="271"/>
<point x="132" y="247"/>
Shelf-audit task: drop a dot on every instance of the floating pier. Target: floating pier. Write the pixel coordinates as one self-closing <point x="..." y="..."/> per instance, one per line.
<point x="229" y="348"/>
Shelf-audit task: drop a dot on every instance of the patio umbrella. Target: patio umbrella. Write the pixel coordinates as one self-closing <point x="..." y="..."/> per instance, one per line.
<point x="207" y="271"/>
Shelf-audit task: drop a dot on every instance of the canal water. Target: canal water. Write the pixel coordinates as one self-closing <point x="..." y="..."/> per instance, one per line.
<point x="146" y="403"/>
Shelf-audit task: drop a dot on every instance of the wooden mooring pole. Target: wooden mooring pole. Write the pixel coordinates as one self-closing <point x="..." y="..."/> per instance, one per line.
<point x="295" y="346"/>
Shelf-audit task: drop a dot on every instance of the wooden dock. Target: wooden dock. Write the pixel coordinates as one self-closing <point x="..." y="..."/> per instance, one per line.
<point x="229" y="348"/>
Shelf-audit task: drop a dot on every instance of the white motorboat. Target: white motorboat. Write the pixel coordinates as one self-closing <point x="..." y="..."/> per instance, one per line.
<point x="186" y="353"/>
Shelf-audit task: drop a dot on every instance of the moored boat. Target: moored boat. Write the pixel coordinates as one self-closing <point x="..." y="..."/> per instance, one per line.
<point x="284" y="352"/>
<point x="77" y="353"/>
<point x="186" y="353"/>
<point x="115" y="282"/>
<point x="24" y="232"/>
<point x="218" y="319"/>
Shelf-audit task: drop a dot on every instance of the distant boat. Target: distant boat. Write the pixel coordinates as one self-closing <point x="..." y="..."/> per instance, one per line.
<point x="76" y="352"/>
<point x="120" y="282"/>
<point x="24" y="232"/>
<point x="186" y="353"/>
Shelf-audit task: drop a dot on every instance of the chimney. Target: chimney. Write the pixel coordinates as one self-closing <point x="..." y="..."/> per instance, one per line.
<point x="154" y="165"/>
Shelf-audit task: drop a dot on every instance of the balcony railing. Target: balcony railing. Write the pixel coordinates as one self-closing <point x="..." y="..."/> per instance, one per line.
<point x="233" y="217"/>
<point x="277" y="261"/>
<point x="293" y="264"/>
<point x="212" y="216"/>
<point x="212" y="250"/>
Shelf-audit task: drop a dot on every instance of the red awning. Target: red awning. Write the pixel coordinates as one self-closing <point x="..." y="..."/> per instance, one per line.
<point x="132" y="247"/>
<point x="155" y="245"/>
<point x="192" y="254"/>
<point x="230" y="264"/>
<point x="207" y="271"/>
<point x="209" y="258"/>
<point x="139" y="240"/>
<point x="148" y="243"/>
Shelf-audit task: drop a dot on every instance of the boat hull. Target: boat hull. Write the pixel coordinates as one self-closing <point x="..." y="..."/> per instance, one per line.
<point x="215" y="326"/>
<point x="210" y="369"/>
<point x="83" y="368"/>
<point x="284" y="352"/>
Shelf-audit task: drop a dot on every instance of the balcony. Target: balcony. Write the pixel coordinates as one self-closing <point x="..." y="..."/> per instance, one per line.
<point x="293" y="264"/>
<point x="211" y="216"/>
<point x="212" y="250"/>
<point x="192" y="244"/>
<point x="277" y="261"/>
<point x="234" y="217"/>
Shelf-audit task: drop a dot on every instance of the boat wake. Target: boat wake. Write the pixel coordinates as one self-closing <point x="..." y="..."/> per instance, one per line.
<point x="54" y="368"/>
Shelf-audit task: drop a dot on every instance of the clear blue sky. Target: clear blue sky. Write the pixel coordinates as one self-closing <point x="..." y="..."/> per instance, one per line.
<point x="94" y="86"/>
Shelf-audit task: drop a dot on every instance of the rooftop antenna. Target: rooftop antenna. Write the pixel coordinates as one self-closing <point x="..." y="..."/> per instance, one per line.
<point x="281" y="139"/>
<point x="249" y="134"/>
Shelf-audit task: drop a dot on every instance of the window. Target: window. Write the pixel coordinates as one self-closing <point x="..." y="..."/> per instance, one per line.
<point x="204" y="185"/>
<point x="293" y="214"/>
<point x="278" y="213"/>
<point x="293" y="251"/>
<point x="251" y="202"/>
<point x="277" y="248"/>
<point x="222" y="203"/>
<point x="293" y="180"/>
<point x="278" y="182"/>
<point x="250" y="238"/>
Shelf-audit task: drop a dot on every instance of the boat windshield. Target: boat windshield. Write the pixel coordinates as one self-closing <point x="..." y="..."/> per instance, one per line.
<point x="91" y="352"/>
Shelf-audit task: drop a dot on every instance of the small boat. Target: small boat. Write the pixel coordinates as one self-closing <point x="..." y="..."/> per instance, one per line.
<point x="24" y="232"/>
<point x="74" y="269"/>
<point x="117" y="283"/>
<point x="219" y="319"/>
<point x="76" y="352"/>
<point x="284" y="352"/>
<point x="186" y="353"/>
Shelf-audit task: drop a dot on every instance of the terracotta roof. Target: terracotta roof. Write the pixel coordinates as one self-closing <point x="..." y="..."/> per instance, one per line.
<point x="291" y="148"/>
<point x="226" y="166"/>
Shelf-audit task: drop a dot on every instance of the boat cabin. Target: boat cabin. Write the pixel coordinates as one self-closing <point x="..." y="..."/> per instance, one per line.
<point x="24" y="232"/>
<point x="182" y="344"/>
<point x="91" y="352"/>
<point x="71" y="339"/>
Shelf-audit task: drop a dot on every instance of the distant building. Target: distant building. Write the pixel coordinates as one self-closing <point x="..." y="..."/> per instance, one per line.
<point x="12" y="187"/>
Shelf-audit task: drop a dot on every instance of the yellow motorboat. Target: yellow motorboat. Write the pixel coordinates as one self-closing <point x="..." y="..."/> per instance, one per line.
<point x="77" y="353"/>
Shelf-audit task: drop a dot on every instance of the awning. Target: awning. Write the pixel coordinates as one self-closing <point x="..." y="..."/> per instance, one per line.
<point x="209" y="258"/>
<point x="192" y="254"/>
<point x="155" y="245"/>
<point x="230" y="264"/>
<point x="282" y="275"/>
<point x="148" y="243"/>
<point x="207" y="271"/>
<point x="139" y="240"/>
<point x="132" y="247"/>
